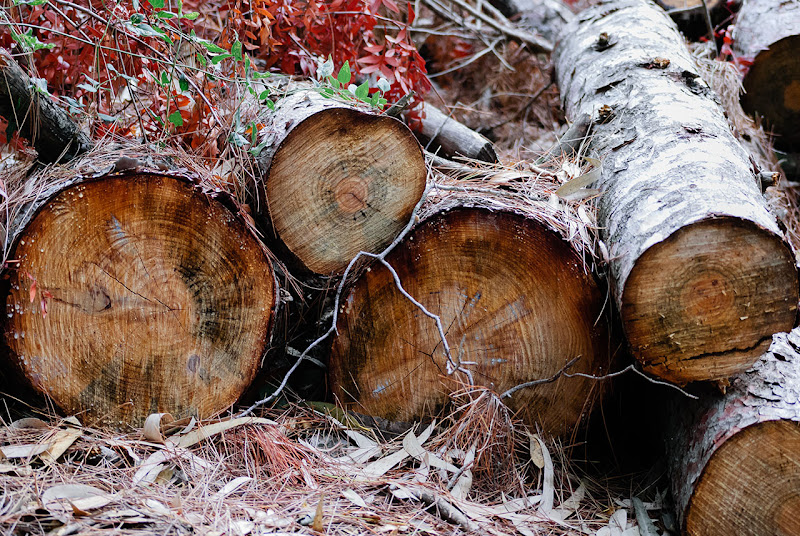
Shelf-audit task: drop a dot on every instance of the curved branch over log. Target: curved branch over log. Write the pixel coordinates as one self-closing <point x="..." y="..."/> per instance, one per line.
<point x="516" y="305"/>
<point x="699" y="269"/>
<point x="336" y="180"/>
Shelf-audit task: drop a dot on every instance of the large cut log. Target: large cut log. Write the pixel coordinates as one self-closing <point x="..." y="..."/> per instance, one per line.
<point x="50" y="130"/>
<point x="768" y="33"/>
<point x="698" y="266"/>
<point x="734" y="458"/>
<point x="335" y="180"/>
<point x="135" y="293"/>
<point x="515" y="302"/>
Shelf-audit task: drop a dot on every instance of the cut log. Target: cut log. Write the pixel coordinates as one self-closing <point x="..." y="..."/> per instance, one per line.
<point x="734" y="458"/>
<point x="544" y="17"/>
<point x="768" y="33"/>
<point x="699" y="269"/>
<point x="50" y="130"/>
<point x="516" y="305"/>
<point x="337" y="180"/>
<point x="447" y="137"/>
<point x="136" y="293"/>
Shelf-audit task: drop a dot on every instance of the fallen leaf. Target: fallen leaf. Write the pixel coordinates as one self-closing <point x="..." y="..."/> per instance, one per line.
<point x="60" y="442"/>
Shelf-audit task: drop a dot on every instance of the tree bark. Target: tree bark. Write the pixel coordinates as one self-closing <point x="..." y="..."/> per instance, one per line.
<point x="335" y="180"/>
<point x="515" y="301"/>
<point x="734" y="458"/>
<point x="544" y="17"/>
<point x="135" y="293"/>
<point x="698" y="267"/>
<point x="49" y="128"/>
<point x="768" y="33"/>
<point x="450" y="138"/>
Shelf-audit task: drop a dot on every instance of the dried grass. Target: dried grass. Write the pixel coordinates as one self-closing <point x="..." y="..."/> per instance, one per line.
<point x="260" y="476"/>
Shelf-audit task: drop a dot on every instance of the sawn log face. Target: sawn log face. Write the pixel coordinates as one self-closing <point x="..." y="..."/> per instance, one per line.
<point x="516" y="306"/>
<point x="138" y="294"/>
<point x="698" y="266"/>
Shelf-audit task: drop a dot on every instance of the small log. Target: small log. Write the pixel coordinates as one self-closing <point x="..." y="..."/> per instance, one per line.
<point x="136" y="293"/>
<point x="516" y="305"/>
<point x="734" y="458"/>
<point x="335" y="180"/>
<point x="699" y="269"/>
<point x="450" y="138"/>
<point x="49" y="128"/>
<point x="544" y="17"/>
<point x="768" y="33"/>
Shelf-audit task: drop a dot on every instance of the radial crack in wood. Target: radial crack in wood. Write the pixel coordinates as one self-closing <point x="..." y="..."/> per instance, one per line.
<point x="516" y="305"/>
<point x="138" y="294"/>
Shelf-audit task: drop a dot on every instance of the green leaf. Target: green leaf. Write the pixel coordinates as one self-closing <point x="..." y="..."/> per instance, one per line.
<point x="137" y="18"/>
<point x="327" y="92"/>
<point x="87" y="87"/>
<point x="107" y="118"/>
<point x="211" y="47"/>
<point x="260" y="76"/>
<point x="236" y="50"/>
<point x="202" y="60"/>
<point x="216" y="59"/>
<point x="183" y="83"/>
<point x="30" y="2"/>
<point x="334" y="83"/>
<point x="166" y="15"/>
<point x="30" y="41"/>
<point x="270" y="104"/>
<point x="165" y="79"/>
<point x="264" y="95"/>
<point x="344" y="74"/>
<point x="158" y="4"/>
<point x="253" y="133"/>
<point x="362" y="91"/>
<point x="176" y="119"/>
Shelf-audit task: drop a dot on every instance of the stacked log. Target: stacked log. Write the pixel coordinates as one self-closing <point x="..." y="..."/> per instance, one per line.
<point x="516" y="304"/>
<point x="699" y="269"/>
<point x="767" y="33"/>
<point x="335" y="180"/>
<point x="136" y="292"/>
<point x="735" y="457"/>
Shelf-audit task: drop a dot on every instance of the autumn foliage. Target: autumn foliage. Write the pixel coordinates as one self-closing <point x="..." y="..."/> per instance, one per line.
<point x="160" y="68"/>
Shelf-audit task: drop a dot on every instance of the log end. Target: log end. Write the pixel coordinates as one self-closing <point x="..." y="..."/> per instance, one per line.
<point x="516" y="306"/>
<point x="750" y="485"/>
<point x="343" y="181"/>
<point x="772" y="90"/>
<point x="704" y="304"/>
<point x="138" y="294"/>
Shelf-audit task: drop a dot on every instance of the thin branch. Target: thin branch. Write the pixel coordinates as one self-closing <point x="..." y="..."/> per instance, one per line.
<point x="533" y="383"/>
<point x="632" y="368"/>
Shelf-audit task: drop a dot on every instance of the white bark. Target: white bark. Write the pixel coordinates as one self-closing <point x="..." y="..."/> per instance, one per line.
<point x="760" y="23"/>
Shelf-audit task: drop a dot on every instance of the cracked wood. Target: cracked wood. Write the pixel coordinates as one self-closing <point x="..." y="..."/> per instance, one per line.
<point x="698" y="266"/>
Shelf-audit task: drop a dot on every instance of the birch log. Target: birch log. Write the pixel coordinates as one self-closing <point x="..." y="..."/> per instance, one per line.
<point x="335" y="180"/>
<point x="134" y="293"/>
<point x="447" y="137"/>
<point x="767" y="33"/>
<point x="515" y="301"/>
<point x="698" y="266"/>
<point x="734" y="458"/>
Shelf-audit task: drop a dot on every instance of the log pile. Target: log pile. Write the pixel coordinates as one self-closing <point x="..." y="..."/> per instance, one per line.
<point x="136" y="284"/>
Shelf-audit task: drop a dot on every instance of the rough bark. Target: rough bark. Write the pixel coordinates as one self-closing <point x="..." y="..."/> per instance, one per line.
<point x="50" y="130"/>
<point x="336" y="180"/>
<point x="447" y="137"/>
<point x="768" y="33"/>
<point x="516" y="305"/>
<point x="734" y="458"/>
<point x="698" y="267"/>
<point x="136" y="293"/>
<point x="544" y="17"/>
